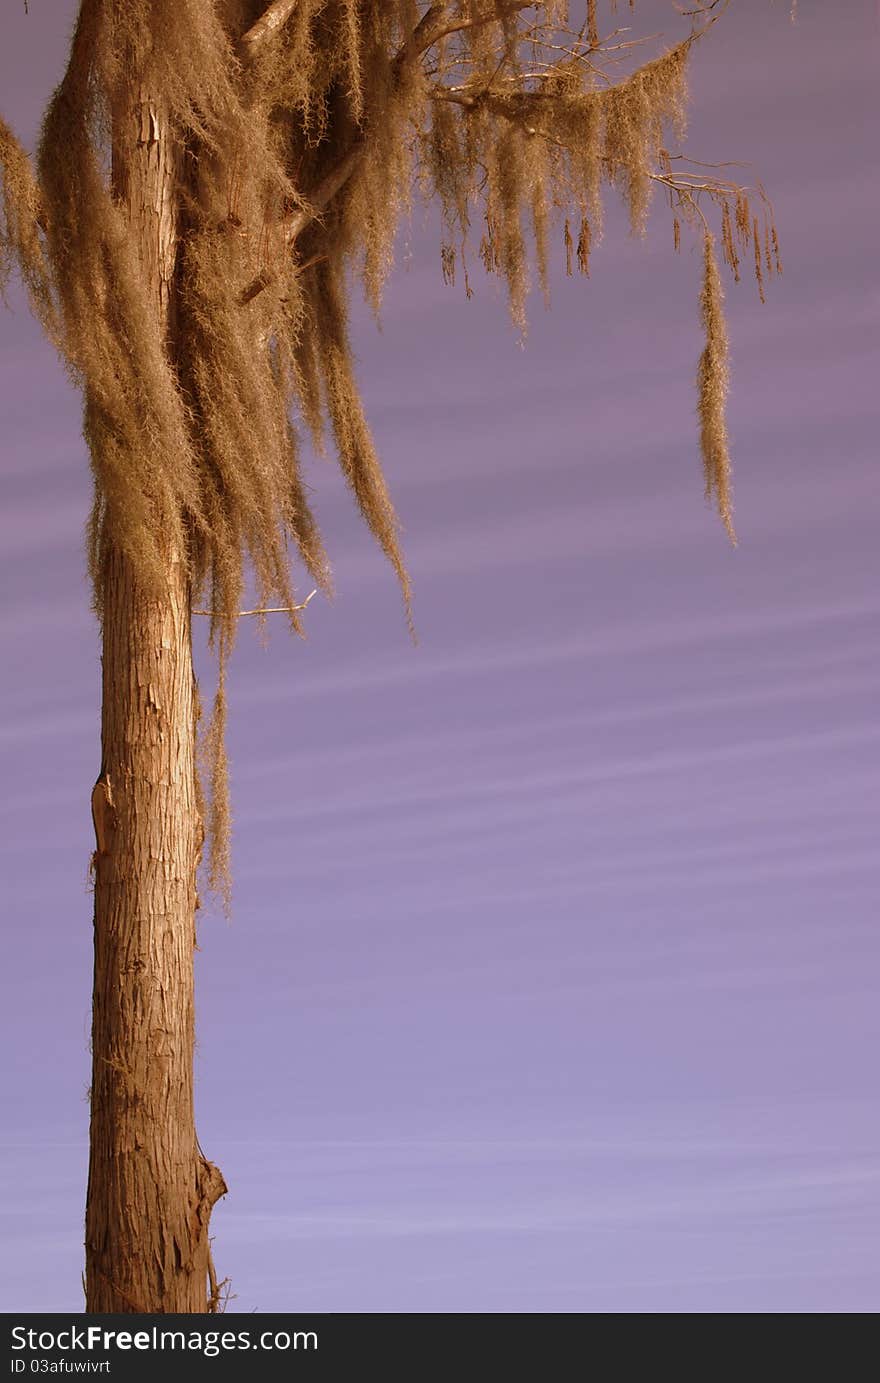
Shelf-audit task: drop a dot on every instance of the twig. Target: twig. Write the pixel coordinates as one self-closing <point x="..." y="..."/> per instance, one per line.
<point x="216" y="1293"/>
<point x="266" y="609"/>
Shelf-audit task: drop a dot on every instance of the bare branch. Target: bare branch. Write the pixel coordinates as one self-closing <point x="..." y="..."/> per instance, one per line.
<point x="266" y="277"/>
<point x="269" y="23"/>
<point x="262" y="280"/>
<point x="422" y="36"/>
<point x="266" y="610"/>
<point x="430" y="29"/>
<point x="322" y="195"/>
<point x="427" y="34"/>
<point x="326" y="190"/>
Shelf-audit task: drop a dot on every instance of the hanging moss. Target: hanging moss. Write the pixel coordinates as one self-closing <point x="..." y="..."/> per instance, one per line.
<point x="712" y="386"/>
<point x="299" y="133"/>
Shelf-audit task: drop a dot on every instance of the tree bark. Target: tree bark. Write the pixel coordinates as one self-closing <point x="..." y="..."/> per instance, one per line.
<point x="151" y="1190"/>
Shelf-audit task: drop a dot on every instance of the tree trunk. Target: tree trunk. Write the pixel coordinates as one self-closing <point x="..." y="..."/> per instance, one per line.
<point x="150" y="1189"/>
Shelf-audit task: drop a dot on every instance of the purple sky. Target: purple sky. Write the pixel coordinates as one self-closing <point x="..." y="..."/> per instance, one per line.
<point x="552" y="979"/>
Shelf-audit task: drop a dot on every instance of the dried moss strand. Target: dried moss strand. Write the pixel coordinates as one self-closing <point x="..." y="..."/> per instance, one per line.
<point x="712" y="388"/>
<point x="216" y="773"/>
<point x="22" y="234"/>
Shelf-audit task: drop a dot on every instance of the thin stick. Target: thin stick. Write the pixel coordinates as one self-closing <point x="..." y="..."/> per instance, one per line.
<point x="266" y="609"/>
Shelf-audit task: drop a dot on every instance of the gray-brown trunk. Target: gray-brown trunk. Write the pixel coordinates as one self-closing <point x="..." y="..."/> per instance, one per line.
<point x="150" y="1189"/>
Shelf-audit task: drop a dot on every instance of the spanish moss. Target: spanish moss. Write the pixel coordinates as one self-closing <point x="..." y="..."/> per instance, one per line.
<point x="300" y="134"/>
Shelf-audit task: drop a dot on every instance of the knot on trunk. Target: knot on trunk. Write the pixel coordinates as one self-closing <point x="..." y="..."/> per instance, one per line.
<point x="211" y="1187"/>
<point x="103" y="814"/>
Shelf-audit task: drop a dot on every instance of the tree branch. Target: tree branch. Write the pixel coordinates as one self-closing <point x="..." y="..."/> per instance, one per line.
<point x="421" y="38"/>
<point x="326" y="190"/>
<point x="269" y="23"/>
<point x="424" y="34"/>
<point x="431" y="33"/>
<point x="434" y="25"/>
<point x="429" y="28"/>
